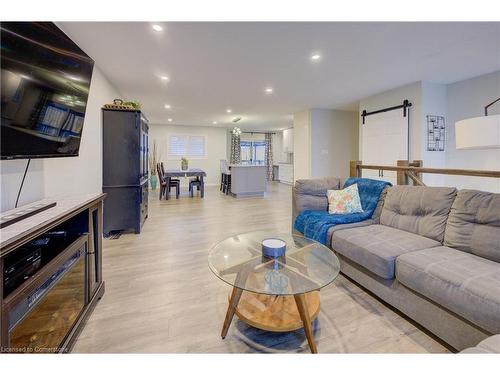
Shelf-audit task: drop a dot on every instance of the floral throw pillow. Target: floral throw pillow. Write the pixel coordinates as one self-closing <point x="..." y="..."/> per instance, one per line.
<point x="344" y="201"/>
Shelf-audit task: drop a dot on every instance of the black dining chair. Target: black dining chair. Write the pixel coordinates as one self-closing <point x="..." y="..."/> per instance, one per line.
<point x="163" y="184"/>
<point x="199" y="184"/>
<point x="171" y="179"/>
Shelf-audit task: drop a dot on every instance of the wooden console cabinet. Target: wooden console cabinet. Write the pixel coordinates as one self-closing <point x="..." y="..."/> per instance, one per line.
<point x="45" y="304"/>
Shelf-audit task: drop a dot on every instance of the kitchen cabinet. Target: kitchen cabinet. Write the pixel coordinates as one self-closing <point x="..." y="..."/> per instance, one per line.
<point x="288" y="140"/>
<point x="286" y="173"/>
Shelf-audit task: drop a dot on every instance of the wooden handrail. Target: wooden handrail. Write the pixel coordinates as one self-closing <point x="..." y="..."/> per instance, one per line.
<point x="448" y="171"/>
<point x="407" y="171"/>
<point x="415" y="179"/>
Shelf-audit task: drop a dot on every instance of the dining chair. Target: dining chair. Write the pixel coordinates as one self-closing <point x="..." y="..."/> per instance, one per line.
<point x="195" y="182"/>
<point x="163" y="183"/>
<point x="171" y="179"/>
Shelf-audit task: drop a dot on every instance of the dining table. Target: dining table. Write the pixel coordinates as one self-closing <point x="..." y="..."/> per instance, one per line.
<point x="192" y="172"/>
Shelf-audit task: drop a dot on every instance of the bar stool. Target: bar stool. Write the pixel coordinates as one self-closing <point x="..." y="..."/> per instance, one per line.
<point x="225" y="177"/>
<point x="222" y="169"/>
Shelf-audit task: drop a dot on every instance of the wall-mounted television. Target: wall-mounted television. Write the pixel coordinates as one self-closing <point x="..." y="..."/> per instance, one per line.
<point x="45" y="82"/>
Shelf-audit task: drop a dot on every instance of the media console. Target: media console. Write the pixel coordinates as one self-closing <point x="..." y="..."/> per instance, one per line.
<point x="51" y="267"/>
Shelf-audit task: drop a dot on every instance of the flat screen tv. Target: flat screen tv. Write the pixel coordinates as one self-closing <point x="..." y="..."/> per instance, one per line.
<point x="45" y="81"/>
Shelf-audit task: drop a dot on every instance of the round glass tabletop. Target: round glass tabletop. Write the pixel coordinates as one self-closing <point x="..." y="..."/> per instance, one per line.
<point x="306" y="266"/>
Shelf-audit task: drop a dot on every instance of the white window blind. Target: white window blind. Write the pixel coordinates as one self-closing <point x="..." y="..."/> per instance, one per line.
<point x="177" y="145"/>
<point x="196" y="146"/>
<point x="189" y="146"/>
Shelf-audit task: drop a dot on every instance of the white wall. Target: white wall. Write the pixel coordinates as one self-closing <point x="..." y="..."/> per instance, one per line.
<point x="301" y="145"/>
<point x="433" y="99"/>
<point x="85" y="171"/>
<point x="63" y="176"/>
<point x="216" y="148"/>
<point x="334" y="142"/>
<point x="466" y="99"/>
<point x="324" y="141"/>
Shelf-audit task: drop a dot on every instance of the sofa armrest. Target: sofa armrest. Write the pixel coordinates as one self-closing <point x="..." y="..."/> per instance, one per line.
<point x="311" y="194"/>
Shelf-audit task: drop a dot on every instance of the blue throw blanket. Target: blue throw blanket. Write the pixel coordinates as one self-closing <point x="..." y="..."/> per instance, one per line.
<point x="315" y="224"/>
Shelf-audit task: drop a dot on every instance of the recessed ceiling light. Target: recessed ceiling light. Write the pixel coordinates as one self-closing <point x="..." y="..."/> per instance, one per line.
<point x="157" y="28"/>
<point x="315" y="56"/>
<point x="214" y="122"/>
<point x="164" y="78"/>
<point x="170" y="120"/>
<point x="167" y="106"/>
<point x="269" y="90"/>
<point x="229" y="110"/>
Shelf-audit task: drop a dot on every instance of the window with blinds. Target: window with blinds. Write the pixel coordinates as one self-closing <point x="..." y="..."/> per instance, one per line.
<point x="189" y="146"/>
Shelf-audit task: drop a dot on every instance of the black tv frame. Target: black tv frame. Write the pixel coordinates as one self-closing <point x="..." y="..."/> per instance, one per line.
<point x="42" y="156"/>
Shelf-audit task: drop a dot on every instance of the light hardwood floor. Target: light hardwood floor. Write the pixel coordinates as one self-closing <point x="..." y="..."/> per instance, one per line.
<point x="162" y="297"/>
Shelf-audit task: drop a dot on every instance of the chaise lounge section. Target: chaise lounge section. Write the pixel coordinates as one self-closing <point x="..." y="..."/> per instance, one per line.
<point x="433" y="253"/>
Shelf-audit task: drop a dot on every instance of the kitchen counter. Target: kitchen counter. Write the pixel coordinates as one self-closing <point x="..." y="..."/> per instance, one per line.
<point x="246" y="165"/>
<point x="248" y="180"/>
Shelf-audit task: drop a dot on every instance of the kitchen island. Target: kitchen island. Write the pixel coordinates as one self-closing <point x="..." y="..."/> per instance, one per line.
<point x="248" y="180"/>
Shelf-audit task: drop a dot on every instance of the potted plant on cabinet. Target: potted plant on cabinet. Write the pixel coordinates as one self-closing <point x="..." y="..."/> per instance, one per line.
<point x="184" y="164"/>
<point x="152" y="158"/>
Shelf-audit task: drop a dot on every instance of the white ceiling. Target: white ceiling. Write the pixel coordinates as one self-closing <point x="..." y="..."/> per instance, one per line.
<point x="214" y="66"/>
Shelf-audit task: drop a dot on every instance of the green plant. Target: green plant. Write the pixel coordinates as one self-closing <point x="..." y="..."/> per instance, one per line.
<point x="133" y="103"/>
<point x="184" y="163"/>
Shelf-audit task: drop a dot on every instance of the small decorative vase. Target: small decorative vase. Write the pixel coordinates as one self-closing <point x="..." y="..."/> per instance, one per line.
<point x="184" y="165"/>
<point x="273" y="247"/>
<point x="153" y="180"/>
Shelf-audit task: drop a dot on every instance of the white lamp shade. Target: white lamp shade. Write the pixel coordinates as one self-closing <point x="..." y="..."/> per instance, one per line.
<point x="478" y="133"/>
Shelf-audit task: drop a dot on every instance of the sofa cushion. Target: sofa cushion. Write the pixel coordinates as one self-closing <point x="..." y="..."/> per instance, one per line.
<point x="336" y="228"/>
<point x="311" y="194"/>
<point x="491" y="345"/>
<point x="463" y="283"/>
<point x="474" y="224"/>
<point x="418" y="209"/>
<point x="376" y="247"/>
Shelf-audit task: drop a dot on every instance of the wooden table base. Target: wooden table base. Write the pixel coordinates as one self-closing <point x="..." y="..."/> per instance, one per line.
<point x="274" y="313"/>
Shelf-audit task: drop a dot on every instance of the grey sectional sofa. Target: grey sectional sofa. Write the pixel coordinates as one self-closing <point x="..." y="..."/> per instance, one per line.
<point x="433" y="253"/>
<point x="491" y="345"/>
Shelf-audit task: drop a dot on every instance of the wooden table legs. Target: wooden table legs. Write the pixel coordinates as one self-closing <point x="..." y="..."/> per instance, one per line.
<point x="300" y="300"/>
<point x="233" y="302"/>
<point x="248" y="315"/>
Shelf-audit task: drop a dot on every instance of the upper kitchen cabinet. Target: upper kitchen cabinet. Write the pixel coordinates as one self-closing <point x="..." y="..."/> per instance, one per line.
<point x="288" y="140"/>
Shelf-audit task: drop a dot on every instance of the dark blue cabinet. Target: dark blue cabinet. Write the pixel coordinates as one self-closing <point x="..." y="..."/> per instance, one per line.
<point x="125" y="170"/>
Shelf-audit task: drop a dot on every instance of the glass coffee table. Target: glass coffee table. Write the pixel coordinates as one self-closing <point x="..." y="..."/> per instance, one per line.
<point x="274" y="294"/>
